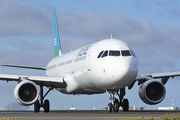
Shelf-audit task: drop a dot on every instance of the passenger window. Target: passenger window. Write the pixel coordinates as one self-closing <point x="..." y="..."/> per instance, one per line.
<point x="132" y="52"/>
<point x="125" y="53"/>
<point x="105" y="54"/>
<point x="100" y="54"/>
<point x="114" y="53"/>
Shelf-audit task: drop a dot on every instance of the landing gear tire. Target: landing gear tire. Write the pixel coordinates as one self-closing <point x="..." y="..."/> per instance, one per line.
<point x="36" y="106"/>
<point x="116" y="101"/>
<point x="46" y="106"/>
<point x="116" y="107"/>
<point x="125" y="105"/>
<point x="110" y="107"/>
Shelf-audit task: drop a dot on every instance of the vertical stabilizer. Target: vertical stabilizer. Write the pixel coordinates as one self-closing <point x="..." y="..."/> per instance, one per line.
<point x="56" y="35"/>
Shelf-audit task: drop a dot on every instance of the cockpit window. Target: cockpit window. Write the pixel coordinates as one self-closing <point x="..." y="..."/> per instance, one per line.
<point x="114" y="53"/>
<point x="125" y="53"/>
<point x="105" y="54"/>
<point x="100" y="54"/>
<point x="132" y="52"/>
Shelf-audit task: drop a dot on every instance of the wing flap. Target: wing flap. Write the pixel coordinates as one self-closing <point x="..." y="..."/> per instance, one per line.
<point x="55" y="82"/>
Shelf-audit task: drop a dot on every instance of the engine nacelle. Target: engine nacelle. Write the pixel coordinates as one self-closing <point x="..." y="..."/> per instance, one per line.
<point x="152" y="92"/>
<point x="26" y="93"/>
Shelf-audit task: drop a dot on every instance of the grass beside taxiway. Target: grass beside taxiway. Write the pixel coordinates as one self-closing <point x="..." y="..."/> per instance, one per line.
<point x="7" y="118"/>
<point x="164" y="117"/>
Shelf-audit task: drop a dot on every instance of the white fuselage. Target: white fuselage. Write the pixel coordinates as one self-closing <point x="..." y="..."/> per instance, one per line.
<point x="86" y="71"/>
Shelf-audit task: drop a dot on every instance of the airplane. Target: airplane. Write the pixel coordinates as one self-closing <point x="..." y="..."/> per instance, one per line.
<point x="109" y="65"/>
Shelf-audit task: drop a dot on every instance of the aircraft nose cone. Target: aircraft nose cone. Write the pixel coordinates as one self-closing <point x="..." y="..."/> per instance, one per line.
<point x="122" y="72"/>
<point x="121" y="69"/>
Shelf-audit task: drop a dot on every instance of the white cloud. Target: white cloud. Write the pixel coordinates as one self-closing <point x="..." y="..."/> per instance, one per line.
<point x="21" y="19"/>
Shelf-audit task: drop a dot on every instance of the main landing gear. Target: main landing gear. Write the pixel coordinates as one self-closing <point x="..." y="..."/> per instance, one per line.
<point x="45" y="105"/>
<point x="115" y="104"/>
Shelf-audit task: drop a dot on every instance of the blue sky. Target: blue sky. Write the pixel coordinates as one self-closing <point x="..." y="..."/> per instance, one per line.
<point x="151" y="28"/>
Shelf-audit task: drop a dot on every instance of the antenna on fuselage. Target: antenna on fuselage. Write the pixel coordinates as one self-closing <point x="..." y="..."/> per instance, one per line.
<point x="111" y="35"/>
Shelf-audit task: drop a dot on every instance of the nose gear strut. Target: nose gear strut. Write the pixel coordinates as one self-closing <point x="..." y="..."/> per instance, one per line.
<point x="115" y="104"/>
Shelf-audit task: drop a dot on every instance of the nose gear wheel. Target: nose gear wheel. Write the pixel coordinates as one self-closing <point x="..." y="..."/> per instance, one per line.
<point x="115" y="103"/>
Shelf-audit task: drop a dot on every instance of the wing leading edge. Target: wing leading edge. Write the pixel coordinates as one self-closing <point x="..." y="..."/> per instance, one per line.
<point x="54" y="82"/>
<point x="157" y="75"/>
<point x="164" y="77"/>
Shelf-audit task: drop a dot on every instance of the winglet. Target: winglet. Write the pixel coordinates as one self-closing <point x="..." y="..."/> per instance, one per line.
<point x="56" y="35"/>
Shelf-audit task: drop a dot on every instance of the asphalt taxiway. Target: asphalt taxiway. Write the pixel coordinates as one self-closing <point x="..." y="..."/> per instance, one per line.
<point x="83" y="115"/>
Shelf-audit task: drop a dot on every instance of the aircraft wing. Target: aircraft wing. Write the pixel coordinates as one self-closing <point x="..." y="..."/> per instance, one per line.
<point x="157" y="75"/>
<point x="54" y="82"/>
<point x="164" y="77"/>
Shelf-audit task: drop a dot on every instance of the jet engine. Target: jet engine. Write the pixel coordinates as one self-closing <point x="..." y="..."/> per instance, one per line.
<point x="152" y="92"/>
<point x="26" y="93"/>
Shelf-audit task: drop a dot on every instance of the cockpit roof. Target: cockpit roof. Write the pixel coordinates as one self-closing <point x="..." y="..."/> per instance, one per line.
<point x="114" y="44"/>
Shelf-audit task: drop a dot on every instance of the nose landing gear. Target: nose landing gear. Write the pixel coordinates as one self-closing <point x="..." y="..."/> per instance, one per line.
<point x="115" y="104"/>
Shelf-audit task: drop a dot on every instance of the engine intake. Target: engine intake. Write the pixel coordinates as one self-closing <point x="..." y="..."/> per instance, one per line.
<point x="152" y="92"/>
<point x="26" y="93"/>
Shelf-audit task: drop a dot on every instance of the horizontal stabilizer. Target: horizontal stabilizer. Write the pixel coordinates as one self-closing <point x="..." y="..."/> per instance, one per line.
<point x="27" y="67"/>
